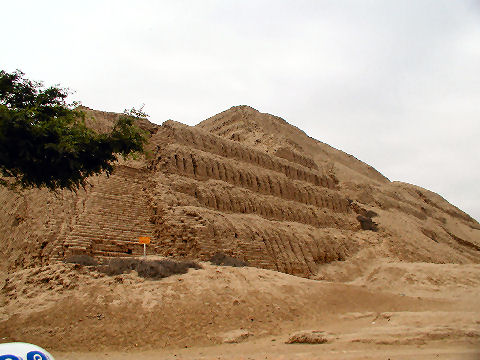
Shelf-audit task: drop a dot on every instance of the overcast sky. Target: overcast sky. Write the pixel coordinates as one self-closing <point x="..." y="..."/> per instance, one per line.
<point x="394" y="83"/>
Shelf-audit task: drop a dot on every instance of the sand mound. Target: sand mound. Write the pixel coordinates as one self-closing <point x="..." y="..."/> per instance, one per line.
<point x="68" y="306"/>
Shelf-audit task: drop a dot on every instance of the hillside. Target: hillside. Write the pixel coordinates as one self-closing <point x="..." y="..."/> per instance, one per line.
<point x="247" y="184"/>
<point x="378" y="267"/>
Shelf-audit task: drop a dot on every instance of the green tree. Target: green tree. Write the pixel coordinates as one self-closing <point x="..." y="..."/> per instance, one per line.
<point x="44" y="141"/>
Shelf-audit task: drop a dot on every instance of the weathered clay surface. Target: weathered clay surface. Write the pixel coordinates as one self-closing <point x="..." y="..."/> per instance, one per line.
<point x="248" y="185"/>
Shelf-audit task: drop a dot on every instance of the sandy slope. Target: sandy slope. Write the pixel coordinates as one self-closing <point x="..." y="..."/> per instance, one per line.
<point x="409" y="291"/>
<point x="79" y="314"/>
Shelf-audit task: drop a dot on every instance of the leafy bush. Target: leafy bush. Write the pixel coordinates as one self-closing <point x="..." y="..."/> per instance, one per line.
<point x="44" y="141"/>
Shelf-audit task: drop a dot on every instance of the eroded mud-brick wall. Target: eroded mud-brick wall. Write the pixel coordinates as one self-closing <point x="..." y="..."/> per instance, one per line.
<point x="116" y="212"/>
<point x="277" y="212"/>
<point x="243" y="183"/>
<point x="200" y="194"/>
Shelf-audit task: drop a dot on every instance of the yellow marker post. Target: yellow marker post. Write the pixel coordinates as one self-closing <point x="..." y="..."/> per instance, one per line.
<point x="144" y="240"/>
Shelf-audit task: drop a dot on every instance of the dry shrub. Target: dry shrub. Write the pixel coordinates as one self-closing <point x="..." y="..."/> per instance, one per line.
<point x="150" y="269"/>
<point x="82" y="259"/>
<point x="117" y="266"/>
<point x="367" y="223"/>
<point x="157" y="269"/>
<point x="307" y="337"/>
<point x="224" y="260"/>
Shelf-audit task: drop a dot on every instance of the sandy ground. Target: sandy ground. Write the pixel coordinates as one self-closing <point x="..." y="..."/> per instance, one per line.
<point x="260" y="350"/>
<point x="396" y="311"/>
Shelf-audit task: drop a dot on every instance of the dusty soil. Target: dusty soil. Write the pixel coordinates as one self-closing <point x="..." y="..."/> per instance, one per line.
<point x="398" y="310"/>
<point x="385" y="270"/>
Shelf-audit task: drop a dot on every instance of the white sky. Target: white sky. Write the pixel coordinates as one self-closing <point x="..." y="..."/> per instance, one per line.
<point x="394" y="83"/>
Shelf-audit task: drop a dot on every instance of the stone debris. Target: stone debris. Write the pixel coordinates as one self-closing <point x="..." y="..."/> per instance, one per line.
<point x="235" y="336"/>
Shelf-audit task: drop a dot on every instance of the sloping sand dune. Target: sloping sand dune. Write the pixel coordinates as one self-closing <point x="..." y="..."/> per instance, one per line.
<point x="69" y="308"/>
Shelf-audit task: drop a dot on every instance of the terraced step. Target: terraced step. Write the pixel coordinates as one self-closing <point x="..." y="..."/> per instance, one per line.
<point x="113" y="232"/>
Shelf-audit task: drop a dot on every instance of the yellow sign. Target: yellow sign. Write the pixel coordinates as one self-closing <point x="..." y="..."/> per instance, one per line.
<point x="144" y="240"/>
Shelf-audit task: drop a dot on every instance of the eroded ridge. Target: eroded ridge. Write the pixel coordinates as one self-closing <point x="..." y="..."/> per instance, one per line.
<point x="288" y="247"/>
<point x="330" y="208"/>
<point x="294" y="156"/>
<point x="200" y="165"/>
<point x="287" y="162"/>
<point x="213" y="194"/>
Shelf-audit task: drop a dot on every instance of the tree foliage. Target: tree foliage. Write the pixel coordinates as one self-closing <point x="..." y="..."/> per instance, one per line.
<point x="44" y="141"/>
